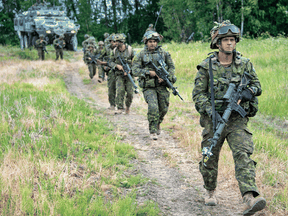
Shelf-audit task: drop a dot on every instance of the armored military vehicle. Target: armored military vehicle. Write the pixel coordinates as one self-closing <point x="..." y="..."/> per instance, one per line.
<point x="41" y="18"/>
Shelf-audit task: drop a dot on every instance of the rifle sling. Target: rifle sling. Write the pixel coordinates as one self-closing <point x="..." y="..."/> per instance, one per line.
<point x="212" y="94"/>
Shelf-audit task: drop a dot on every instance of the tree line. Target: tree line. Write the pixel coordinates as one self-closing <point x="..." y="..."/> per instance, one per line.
<point x="178" y="19"/>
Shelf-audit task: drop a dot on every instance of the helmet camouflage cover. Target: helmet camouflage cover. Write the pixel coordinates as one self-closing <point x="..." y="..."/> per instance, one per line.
<point x="86" y="36"/>
<point x="150" y="25"/>
<point x="106" y="35"/>
<point x="41" y="36"/>
<point x="111" y="37"/>
<point x="152" y="35"/>
<point x="100" y="43"/>
<point x="221" y="30"/>
<point x="119" y="37"/>
<point x="61" y="36"/>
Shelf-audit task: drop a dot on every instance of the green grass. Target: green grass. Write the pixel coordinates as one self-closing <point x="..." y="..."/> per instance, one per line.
<point x="54" y="144"/>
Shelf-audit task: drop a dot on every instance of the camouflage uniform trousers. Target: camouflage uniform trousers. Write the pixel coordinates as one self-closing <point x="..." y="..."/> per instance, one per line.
<point x="101" y="72"/>
<point x="59" y="52"/>
<point x="239" y="139"/>
<point x="123" y="84"/>
<point x="92" y="70"/>
<point x="158" y="103"/>
<point x="111" y="82"/>
<point x="41" y="53"/>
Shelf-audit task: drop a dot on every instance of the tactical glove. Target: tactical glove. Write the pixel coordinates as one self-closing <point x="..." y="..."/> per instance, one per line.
<point x="247" y="95"/>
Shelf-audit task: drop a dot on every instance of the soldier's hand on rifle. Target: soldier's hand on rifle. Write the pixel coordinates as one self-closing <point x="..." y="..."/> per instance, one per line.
<point x="152" y="73"/>
<point x="100" y="62"/>
<point x="89" y="58"/>
<point x="120" y="67"/>
<point x="160" y="80"/>
<point x="247" y="95"/>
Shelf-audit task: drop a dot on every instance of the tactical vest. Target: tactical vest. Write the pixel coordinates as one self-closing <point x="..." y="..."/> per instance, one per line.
<point x="126" y="55"/>
<point x="222" y="77"/>
<point x="146" y="81"/>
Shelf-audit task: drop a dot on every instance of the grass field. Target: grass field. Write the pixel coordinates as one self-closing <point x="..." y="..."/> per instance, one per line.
<point x="58" y="155"/>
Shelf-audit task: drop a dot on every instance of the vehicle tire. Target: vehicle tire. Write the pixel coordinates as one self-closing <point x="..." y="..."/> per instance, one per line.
<point x="34" y="38"/>
<point x="26" y="45"/>
<point x="74" y="43"/>
<point x="22" y="41"/>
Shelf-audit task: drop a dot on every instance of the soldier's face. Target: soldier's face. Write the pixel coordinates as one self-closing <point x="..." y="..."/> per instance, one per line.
<point x="119" y="44"/>
<point x="112" y="44"/>
<point x="228" y="44"/>
<point x="151" y="44"/>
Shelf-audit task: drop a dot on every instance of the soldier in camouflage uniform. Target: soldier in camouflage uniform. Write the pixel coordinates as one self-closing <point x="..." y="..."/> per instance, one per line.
<point x="40" y="43"/>
<point x="228" y="66"/>
<point x="89" y="53"/>
<point x="154" y="88"/>
<point x="101" y="71"/>
<point x="84" y="43"/>
<point x="111" y="81"/>
<point x="59" y="44"/>
<point x="123" y="84"/>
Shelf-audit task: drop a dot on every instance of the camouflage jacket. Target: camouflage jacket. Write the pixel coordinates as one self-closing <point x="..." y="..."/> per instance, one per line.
<point x="39" y="44"/>
<point x="127" y="55"/>
<point x="221" y="78"/>
<point x="107" y="43"/>
<point x="141" y="67"/>
<point x="61" y="42"/>
<point x="96" y="52"/>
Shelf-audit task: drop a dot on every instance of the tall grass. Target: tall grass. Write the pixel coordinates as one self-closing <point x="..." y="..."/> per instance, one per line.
<point x="58" y="155"/>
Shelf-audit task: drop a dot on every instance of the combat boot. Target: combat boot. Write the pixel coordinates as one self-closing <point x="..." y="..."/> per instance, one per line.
<point x="158" y="129"/>
<point x="99" y="80"/>
<point x="153" y="136"/>
<point x="127" y="111"/>
<point x="210" y="199"/>
<point x="252" y="205"/>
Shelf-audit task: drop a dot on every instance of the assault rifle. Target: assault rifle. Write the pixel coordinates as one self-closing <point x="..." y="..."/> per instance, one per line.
<point x="127" y="70"/>
<point x="94" y="58"/>
<point x="190" y="37"/>
<point x="59" y="46"/>
<point x="233" y="96"/>
<point x="163" y="74"/>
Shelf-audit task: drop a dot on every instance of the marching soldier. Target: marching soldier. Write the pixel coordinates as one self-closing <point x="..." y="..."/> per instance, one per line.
<point x="224" y="67"/>
<point x="41" y="47"/>
<point x="101" y="71"/>
<point x="123" y="84"/>
<point x="91" y="55"/>
<point x="111" y="80"/>
<point x="59" y="44"/>
<point x="154" y="88"/>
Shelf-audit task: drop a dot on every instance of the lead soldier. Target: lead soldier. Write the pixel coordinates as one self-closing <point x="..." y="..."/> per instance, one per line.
<point x="40" y="45"/>
<point x="227" y="66"/>
<point x="59" y="45"/>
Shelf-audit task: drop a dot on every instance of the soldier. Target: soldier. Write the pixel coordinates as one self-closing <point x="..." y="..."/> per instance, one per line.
<point x="150" y="28"/>
<point x="111" y="81"/>
<point x="59" y="44"/>
<point x="41" y="46"/>
<point x="101" y="72"/>
<point x="90" y="53"/>
<point x="154" y="88"/>
<point x="86" y="36"/>
<point x="123" y="84"/>
<point x="228" y="66"/>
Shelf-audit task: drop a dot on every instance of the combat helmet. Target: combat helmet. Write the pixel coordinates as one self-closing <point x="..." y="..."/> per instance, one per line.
<point x="119" y="37"/>
<point x="100" y="43"/>
<point x="150" y="25"/>
<point x="106" y="35"/>
<point x="152" y="35"/>
<point x="221" y="30"/>
<point x="111" y="37"/>
<point x="41" y="36"/>
<point x="86" y="36"/>
<point x="61" y="36"/>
